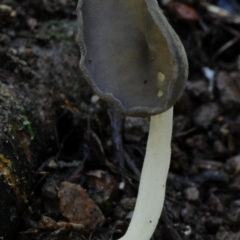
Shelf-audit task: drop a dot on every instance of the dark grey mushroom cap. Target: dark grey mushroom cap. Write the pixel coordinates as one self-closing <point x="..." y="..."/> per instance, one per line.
<point x="130" y="55"/>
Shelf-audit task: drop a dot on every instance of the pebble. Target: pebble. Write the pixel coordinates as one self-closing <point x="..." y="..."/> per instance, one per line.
<point x="232" y="165"/>
<point x="191" y="194"/>
<point x="206" y="114"/>
<point x="199" y="89"/>
<point x="228" y="85"/>
<point x="77" y="207"/>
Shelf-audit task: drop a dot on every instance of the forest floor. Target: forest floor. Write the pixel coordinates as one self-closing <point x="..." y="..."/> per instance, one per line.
<point x="83" y="159"/>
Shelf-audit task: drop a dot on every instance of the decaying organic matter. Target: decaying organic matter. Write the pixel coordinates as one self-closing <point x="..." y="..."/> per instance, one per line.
<point x="15" y="163"/>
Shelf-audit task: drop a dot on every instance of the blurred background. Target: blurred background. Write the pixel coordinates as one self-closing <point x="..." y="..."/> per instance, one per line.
<point x="70" y="164"/>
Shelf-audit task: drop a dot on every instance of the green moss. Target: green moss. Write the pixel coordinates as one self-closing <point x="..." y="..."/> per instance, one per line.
<point x="58" y="30"/>
<point x="25" y="124"/>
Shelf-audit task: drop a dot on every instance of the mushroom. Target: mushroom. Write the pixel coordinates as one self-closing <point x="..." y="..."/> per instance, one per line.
<point x="134" y="60"/>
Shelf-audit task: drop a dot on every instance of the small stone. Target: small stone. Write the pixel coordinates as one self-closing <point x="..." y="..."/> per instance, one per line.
<point x="119" y="213"/>
<point x="219" y="147"/>
<point x="22" y="62"/>
<point x="5" y="11"/>
<point x="235" y="185"/>
<point x="228" y="86"/>
<point x="47" y="223"/>
<point x="232" y="165"/>
<point x="187" y="231"/>
<point x="13" y="51"/>
<point x="49" y="193"/>
<point x="77" y="207"/>
<point x="13" y="14"/>
<point x="121" y="185"/>
<point x="222" y="234"/>
<point x="32" y="23"/>
<point x="21" y="50"/>
<point x="128" y="203"/>
<point x="52" y="164"/>
<point x="206" y="114"/>
<point x="95" y="99"/>
<point x="199" y="89"/>
<point x="4" y="39"/>
<point x="191" y="194"/>
<point x="234" y="212"/>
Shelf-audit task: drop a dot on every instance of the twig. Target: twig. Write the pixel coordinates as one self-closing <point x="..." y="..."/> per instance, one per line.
<point x="131" y="165"/>
<point x="98" y="141"/>
<point x="116" y="122"/>
<point x="224" y="47"/>
<point x="181" y="134"/>
<point x="77" y="171"/>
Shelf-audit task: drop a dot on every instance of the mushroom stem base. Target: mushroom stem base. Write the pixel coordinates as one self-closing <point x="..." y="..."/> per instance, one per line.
<point x="152" y="186"/>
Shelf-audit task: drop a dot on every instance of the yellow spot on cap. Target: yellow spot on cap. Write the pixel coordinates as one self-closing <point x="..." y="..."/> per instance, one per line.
<point x="160" y="77"/>
<point x="160" y="93"/>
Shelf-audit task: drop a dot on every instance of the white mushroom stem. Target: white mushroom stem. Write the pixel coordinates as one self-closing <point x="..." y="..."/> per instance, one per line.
<point x="152" y="186"/>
